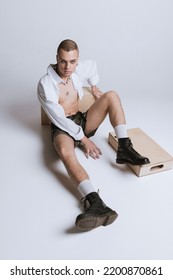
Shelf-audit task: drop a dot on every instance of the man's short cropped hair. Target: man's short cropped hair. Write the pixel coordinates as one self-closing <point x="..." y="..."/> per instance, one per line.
<point x="67" y="45"/>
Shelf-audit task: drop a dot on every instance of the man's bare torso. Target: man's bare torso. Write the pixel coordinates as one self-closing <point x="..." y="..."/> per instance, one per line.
<point x="68" y="98"/>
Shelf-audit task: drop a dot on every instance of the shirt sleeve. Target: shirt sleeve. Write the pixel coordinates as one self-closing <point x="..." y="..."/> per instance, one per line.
<point x="87" y="70"/>
<point x="55" y="112"/>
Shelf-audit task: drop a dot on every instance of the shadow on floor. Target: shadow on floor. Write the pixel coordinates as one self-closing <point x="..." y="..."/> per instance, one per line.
<point x="28" y="114"/>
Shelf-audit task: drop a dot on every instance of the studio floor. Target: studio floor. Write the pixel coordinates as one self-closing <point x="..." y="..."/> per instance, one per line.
<point x="39" y="204"/>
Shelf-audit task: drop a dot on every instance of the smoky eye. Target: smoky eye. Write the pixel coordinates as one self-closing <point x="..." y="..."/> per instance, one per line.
<point x="73" y="61"/>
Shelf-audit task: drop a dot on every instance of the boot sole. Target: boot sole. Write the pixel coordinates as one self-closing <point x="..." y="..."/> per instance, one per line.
<point x="122" y="161"/>
<point x="91" y="222"/>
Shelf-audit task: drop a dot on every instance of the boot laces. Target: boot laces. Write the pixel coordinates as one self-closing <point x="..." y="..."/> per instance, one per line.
<point x="85" y="202"/>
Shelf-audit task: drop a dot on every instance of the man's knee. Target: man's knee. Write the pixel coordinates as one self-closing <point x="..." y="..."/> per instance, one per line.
<point x="63" y="150"/>
<point x="112" y="96"/>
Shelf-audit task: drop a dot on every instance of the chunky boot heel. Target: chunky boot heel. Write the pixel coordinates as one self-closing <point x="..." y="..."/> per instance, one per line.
<point x="96" y="213"/>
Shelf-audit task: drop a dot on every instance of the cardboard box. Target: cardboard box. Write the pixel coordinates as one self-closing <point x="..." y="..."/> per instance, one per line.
<point x="84" y="104"/>
<point x="160" y="160"/>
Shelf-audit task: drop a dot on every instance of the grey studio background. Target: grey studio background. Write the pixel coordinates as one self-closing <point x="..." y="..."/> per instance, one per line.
<point x="132" y="43"/>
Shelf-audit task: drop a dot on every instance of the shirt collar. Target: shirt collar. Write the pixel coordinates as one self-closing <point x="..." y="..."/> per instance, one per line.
<point x="57" y="79"/>
<point x="53" y="74"/>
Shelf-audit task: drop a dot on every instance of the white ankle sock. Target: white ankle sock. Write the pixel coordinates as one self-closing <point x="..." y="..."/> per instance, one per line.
<point x="86" y="187"/>
<point x="121" y="131"/>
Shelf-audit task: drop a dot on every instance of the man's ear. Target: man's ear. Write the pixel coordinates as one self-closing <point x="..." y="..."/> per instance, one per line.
<point x="57" y="57"/>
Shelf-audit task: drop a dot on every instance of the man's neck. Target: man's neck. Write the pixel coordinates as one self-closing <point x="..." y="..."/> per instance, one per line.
<point x="59" y="74"/>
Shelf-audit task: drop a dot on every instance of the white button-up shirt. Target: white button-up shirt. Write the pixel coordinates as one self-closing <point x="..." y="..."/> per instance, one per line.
<point x="48" y="95"/>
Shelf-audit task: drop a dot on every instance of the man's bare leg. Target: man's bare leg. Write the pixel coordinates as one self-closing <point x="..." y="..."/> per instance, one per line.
<point x="96" y="212"/>
<point x="64" y="146"/>
<point x="109" y="103"/>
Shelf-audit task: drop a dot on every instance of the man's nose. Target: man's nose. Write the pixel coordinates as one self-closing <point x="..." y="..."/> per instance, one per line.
<point x="67" y="65"/>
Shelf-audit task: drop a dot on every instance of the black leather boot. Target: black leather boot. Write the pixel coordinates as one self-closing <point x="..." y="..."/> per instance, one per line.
<point x="127" y="154"/>
<point x="96" y="213"/>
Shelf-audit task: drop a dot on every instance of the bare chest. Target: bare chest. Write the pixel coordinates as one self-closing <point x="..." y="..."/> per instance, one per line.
<point x="68" y="98"/>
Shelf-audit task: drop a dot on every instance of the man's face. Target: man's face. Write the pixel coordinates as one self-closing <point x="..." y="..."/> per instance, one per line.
<point x="67" y="62"/>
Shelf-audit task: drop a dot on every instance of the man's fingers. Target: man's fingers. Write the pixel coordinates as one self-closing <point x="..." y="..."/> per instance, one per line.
<point x="91" y="150"/>
<point x="99" y="151"/>
<point x="87" y="155"/>
<point x="95" y="153"/>
<point x="94" y="156"/>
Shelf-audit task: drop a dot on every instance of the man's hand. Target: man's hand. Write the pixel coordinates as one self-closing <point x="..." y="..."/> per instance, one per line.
<point x="96" y="92"/>
<point x="90" y="148"/>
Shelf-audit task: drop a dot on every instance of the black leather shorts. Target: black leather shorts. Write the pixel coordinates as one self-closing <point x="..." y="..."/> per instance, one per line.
<point x="80" y="119"/>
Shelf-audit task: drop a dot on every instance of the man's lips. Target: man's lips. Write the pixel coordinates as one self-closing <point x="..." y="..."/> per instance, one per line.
<point x="67" y="72"/>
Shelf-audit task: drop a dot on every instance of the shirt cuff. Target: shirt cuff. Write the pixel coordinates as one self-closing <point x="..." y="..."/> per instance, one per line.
<point x="92" y="81"/>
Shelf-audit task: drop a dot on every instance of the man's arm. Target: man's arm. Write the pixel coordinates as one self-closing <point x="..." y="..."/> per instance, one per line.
<point x="55" y="112"/>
